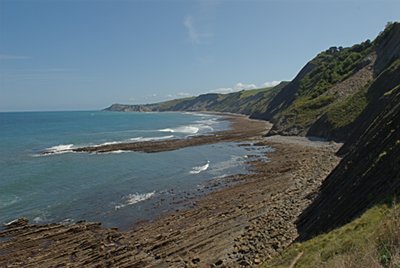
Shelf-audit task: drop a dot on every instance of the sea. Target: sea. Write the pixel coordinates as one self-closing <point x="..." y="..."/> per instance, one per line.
<point x="118" y="188"/>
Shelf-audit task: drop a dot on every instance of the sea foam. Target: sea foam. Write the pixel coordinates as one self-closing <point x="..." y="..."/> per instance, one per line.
<point x="59" y="149"/>
<point x="197" y="170"/>
<point x="133" y="199"/>
<point x="190" y="129"/>
<point x="183" y="129"/>
<point x="138" y="139"/>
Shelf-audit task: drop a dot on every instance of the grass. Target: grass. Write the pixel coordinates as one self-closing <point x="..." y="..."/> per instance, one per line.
<point x="393" y="90"/>
<point x="346" y="112"/>
<point x="252" y="92"/>
<point x="372" y="240"/>
<point x="169" y="104"/>
<point x="304" y="110"/>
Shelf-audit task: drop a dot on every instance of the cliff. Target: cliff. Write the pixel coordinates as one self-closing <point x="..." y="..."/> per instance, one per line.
<point x="333" y="89"/>
<point x="370" y="170"/>
<point x="243" y="102"/>
<point x="368" y="174"/>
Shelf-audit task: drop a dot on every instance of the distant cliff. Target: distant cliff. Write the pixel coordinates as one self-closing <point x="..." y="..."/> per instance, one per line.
<point x="243" y="102"/>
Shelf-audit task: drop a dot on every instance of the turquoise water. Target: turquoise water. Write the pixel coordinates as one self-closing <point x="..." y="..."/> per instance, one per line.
<point x="117" y="189"/>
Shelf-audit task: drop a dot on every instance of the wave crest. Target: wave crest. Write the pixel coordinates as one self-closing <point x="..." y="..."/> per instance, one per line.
<point x="59" y="149"/>
<point x="133" y="199"/>
<point x="197" y="170"/>
<point x="138" y="139"/>
<point x="183" y="129"/>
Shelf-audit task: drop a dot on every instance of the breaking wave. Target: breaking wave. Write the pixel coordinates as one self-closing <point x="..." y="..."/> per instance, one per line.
<point x="191" y="129"/>
<point x="59" y="149"/>
<point x="133" y="199"/>
<point x="108" y="143"/>
<point x="184" y="129"/>
<point x="197" y="170"/>
<point x="114" y="152"/>
<point x="208" y="122"/>
<point x="138" y="139"/>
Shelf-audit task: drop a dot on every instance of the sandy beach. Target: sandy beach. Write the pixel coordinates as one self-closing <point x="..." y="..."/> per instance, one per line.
<point x="242" y="224"/>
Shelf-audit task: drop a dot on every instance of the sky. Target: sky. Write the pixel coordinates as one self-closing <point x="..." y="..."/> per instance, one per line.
<point x="88" y="54"/>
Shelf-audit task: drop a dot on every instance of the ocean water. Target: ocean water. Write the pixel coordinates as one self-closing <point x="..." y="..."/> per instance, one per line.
<point x="118" y="188"/>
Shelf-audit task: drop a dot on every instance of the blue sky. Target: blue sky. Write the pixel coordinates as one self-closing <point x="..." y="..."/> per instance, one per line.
<point x="79" y="55"/>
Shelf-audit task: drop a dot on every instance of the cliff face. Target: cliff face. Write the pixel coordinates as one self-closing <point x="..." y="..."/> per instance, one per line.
<point x="369" y="173"/>
<point x="285" y="97"/>
<point x="328" y="79"/>
<point x="244" y="102"/>
<point x="332" y="90"/>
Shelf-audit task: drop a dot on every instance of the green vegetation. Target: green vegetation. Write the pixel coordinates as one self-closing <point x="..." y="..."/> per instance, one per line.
<point x="311" y="97"/>
<point x="373" y="240"/>
<point x="343" y="113"/>
<point x="333" y="66"/>
<point x="252" y="92"/>
<point x="244" y="102"/>
<point x="390" y="92"/>
<point x="394" y="66"/>
<point x="168" y="104"/>
<point x="305" y="110"/>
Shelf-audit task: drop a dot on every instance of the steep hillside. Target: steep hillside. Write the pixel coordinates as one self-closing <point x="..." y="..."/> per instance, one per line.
<point x="331" y="91"/>
<point x="367" y="177"/>
<point x="370" y="170"/>
<point x="243" y="102"/>
<point x="322" y="82"/>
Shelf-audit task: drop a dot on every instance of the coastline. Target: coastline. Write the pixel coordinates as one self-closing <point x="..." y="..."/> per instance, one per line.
<point x="239" y="225"/>
<point x="241" y="128"/>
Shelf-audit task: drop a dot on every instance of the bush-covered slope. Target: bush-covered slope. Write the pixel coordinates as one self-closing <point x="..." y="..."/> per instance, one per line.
<point x="330" y="92"/>
<point x="243" y="102"/>
<point x="299" y="104"/>
<point x="370" y="170"/>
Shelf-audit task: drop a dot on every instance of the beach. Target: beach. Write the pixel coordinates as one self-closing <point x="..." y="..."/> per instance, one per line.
<point x="241" y="129"/>
<point x="242" y="224"/>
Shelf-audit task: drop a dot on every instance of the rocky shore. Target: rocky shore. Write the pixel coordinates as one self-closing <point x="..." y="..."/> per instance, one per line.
<point x="241" y="128"/>
<point x="241" y="225"/>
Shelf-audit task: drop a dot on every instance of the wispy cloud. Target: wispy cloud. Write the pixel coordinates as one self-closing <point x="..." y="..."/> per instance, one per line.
<point x="193" y="34"/>
<point x="271" y="84"/>
<point x="223" y="90"/>
<point x="243" y="86"/>
<point x="191" y="30"/>
<point x="238" y="87"/>
<point x="184" y="94"/>
<point x="13" y="57"/>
